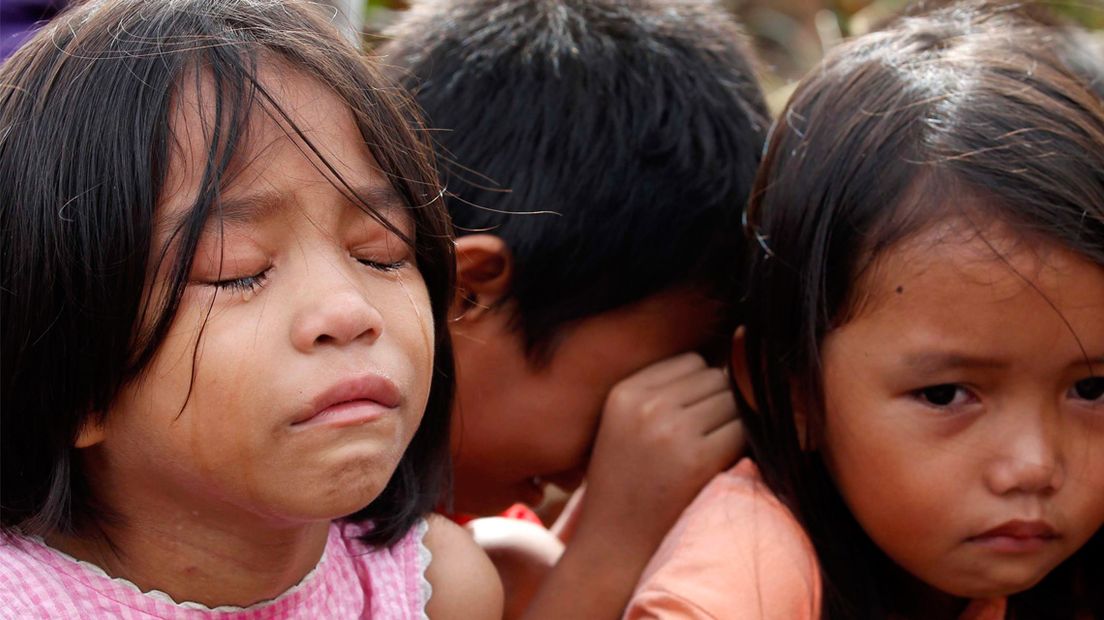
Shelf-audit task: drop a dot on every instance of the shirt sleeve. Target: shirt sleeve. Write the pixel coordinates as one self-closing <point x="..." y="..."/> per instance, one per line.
<point x="736" y="553"/>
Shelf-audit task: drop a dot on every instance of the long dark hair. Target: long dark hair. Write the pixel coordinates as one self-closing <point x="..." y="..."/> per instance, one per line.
<point x="84" y="143"/>
<point x="891" y="132"/>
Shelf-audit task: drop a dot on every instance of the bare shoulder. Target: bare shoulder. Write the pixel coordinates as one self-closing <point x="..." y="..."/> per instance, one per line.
<point x="465" y="583"/>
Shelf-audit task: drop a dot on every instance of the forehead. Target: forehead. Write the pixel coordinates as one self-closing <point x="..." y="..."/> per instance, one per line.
<point x="275" y="151"/>
<point x="958" y="279"/>
<point x="954" y="255"/>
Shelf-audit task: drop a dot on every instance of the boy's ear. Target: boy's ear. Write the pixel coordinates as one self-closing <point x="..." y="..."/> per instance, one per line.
<point x="484" y="271"/>
<point x="91" y="432"/>
<point x="739" y="365"/>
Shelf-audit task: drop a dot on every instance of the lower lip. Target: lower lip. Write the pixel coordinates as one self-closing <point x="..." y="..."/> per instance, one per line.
<point x="351" y="413"/>
<point x="1011" y="544"/>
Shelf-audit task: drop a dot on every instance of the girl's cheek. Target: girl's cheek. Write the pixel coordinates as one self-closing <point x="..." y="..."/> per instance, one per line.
<point x="417" y="306"/>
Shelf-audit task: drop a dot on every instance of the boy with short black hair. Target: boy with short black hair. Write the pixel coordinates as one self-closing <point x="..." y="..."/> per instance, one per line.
<point x="597" y="155"/>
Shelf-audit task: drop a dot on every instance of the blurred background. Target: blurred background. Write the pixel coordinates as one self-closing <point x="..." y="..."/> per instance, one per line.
<point x="790" y="35"/>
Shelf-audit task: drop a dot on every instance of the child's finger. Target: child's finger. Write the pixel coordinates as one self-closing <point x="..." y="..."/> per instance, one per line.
<point x="667" y="370"/>
<point x="711" y="414"/>
<point x="697" y="387"/>
<point x="725" y="443"/>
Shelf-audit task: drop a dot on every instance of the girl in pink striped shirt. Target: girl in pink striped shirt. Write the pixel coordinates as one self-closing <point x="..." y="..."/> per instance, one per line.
<point x="226" y="371"/>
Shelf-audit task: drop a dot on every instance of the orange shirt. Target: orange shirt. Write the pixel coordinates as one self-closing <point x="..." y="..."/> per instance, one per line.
<point x="737" y="553"/>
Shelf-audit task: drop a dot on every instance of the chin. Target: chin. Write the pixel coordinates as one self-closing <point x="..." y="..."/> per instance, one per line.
<point x="341" y="494"/>
<point x="1002" y="584"/>
<point x="328" y="507"/>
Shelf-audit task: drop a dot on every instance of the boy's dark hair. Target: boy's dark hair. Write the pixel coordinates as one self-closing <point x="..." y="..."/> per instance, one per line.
<point x="85" y="140"/>
<point x="611" y="145"/>
<point x="958" y="112"/>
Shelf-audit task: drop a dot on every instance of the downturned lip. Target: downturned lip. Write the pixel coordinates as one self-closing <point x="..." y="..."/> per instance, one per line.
<point x="368" y="388"/>
<point x="1020" y="530"/>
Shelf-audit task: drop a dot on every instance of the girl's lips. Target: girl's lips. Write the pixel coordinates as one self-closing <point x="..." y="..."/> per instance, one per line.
<point x="364" y="396"/>
<point x="1017" y="536"/>
<point x="1021" y="529"/>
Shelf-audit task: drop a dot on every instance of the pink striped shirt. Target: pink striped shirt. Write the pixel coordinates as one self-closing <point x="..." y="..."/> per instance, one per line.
<point x="352" y="580"/>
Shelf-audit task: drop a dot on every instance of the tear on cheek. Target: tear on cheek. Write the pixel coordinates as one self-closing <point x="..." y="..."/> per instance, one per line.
<point x="418" y="299"/>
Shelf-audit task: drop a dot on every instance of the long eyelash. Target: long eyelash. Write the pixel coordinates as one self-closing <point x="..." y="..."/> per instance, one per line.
<point x="246" y="284"/>
<point x="399" y="264"/>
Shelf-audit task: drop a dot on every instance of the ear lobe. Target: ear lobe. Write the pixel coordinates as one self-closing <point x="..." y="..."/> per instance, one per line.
<point x="91" y="432"/>
<point x="742" y="377"/>
<point x="739" y="366"/>
<point x="484" y="272"/>
<point x="801" y="422"/>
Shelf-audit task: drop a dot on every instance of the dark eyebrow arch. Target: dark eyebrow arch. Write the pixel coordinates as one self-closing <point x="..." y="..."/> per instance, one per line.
<point x="256" y="206"/>
<point x="935" y="361"/>
<point x="244" y="209"/>
<point x="382" y="198"/>
<point x="932" y="362"/>
<point x="1095" y="363"/>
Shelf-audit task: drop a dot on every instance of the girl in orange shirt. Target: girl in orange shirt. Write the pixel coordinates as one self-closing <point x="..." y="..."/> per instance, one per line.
<point x="923" y="367"/>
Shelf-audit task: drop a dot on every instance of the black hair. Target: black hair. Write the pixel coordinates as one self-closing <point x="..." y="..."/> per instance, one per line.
<point x="611" y="145"/>
<point x="85" y="141"/>
<point x="958" y="108"/>
<point x="1081" y="50"/>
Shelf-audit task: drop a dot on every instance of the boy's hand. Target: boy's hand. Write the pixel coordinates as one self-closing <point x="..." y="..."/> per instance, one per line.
<point x="665" y="432"/>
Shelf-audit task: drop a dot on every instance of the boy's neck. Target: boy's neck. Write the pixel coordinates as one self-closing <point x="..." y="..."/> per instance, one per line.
<point x="198" y="559"/>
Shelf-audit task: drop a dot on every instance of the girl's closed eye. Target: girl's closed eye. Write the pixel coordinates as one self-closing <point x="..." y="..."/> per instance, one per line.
<point x="232" y="272"/>
<point x="244" y="284"/>
<point x="236" y="267"/>
<point x="384" y="265"/>
<point x="387" y="256"/>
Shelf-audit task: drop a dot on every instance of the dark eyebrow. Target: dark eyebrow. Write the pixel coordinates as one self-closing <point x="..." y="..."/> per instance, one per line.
<point x="255" y="206"/>
<point x="244" y="209"/>
<point x="382" y="198"/>
<point x="937" y="360"/>
<point x="1095" y="363"/>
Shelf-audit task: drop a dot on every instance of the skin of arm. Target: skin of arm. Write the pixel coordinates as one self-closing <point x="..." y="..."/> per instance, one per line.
<point x="522" y="552"/>
<point x="465" y="583"/>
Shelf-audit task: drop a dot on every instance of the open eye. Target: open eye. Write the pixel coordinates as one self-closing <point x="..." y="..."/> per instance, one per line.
<point x="1090" y="389"/>
<point x="943" y="395"/>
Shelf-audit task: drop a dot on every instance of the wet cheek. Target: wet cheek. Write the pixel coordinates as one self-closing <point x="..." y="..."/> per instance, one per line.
<point x="223" y="422"/>
<point x="413" y="317"/>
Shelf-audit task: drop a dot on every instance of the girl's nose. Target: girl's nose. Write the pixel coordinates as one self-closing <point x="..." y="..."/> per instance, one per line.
<point x="337" y="313"/>
<point x="1029" y="461"/>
